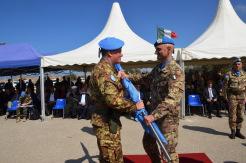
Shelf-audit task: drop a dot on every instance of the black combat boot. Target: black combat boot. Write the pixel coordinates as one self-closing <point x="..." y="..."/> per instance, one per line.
<point x="233" y="133"/>
<point x="238" y="134"/>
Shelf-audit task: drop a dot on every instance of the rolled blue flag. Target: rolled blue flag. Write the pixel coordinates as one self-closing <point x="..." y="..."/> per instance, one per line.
<point x="134" y="95"/>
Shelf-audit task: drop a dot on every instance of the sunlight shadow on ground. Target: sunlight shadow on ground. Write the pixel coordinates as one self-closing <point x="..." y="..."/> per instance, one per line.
<point x="86" y="157"/>
<point x="205" y="130"/>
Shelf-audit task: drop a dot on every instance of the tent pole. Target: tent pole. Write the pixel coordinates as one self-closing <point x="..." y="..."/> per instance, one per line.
<point x="42" y="93"/>
<point x="70" y="74"/>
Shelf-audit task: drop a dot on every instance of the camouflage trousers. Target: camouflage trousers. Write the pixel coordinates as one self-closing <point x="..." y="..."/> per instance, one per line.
<point x="109" y="145"/>
<point x="236" y="111"/>
<point x="18" y="111"/>
<point x="150" y="145"/>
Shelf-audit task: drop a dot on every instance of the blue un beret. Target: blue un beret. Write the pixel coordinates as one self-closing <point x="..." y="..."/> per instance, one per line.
<point x="164" y="40"/>
<point x="111" y="43"/>
<point x="237" y="60"/>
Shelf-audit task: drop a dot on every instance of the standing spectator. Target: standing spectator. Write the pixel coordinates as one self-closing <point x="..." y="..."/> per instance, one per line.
<point x="37" y="84"/>
<point x="78" y="83"/>
<point x="65" y="83"/>
<point x="57" y="84"/>
<point x="70" y="83"/>
<point x="30" y="84"/>
<point x="9" y="85"/>
<point x="21" y="86"/>
<point x="48" y="84"/>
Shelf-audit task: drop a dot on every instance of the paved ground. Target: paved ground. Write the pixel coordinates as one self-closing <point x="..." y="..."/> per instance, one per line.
<point x="72" y="141"/>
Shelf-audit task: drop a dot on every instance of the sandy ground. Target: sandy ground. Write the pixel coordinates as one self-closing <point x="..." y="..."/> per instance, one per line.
<point x="72" y="141"/>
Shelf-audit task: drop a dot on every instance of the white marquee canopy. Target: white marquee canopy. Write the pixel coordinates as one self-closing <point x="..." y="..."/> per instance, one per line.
<point x="225" y="37"/>
<point x="135" y="48"/>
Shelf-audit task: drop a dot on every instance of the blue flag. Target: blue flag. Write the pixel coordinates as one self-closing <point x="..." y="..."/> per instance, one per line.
<point x="134" y="95"/>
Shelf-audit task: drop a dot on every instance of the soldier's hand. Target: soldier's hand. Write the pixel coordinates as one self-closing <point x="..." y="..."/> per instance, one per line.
<point x="122" y="74"/>
<point x="149" y="119"/>
<point x="140" y="105"/>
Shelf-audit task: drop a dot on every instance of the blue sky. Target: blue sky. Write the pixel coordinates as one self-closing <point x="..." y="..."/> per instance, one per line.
<point x="54" y="26"/>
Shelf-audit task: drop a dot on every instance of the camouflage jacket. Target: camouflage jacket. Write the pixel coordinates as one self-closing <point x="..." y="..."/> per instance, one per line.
<point x="108" y="95"/>
<point x="27" y="99"/>
<point x="235" y="86"/>
<point x="166" y="89"/>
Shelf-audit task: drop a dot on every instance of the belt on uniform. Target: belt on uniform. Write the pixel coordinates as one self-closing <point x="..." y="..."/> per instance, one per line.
<point x="112" y="118"/>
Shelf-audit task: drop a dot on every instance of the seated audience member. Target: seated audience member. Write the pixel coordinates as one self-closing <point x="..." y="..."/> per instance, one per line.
<point x="83" y="108"/>
<point x="72" y="99"/>
<point x="211" y="96"/>
<point x="3" y="101"/>
<point x="25" y="102"/>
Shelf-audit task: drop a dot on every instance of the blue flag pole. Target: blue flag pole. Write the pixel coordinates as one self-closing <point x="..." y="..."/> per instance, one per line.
<point x="140" y="114"/>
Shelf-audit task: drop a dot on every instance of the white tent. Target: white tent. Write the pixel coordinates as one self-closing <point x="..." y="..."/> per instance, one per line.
<point x="135" y="49"/>
<point x="225" y="37"/>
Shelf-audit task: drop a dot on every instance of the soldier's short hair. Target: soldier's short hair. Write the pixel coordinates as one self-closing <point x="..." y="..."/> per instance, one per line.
<point x="103" y="52"/>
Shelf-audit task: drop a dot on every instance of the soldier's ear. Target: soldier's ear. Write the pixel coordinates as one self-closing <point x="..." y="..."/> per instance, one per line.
<point x="169" y="49"/>
<point x="110" y="55"/>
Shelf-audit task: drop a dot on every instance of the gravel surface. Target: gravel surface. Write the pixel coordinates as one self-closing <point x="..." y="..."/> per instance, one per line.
<point x="72" y="141"/>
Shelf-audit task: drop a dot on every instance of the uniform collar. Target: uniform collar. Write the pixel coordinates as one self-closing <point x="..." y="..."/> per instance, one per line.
<point x="107" y="63"/>
<point x="164" y="64"/>
<point x="237" y="73"/>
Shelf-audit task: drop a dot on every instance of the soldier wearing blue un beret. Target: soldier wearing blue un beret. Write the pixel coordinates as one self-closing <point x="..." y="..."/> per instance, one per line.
<point x="108" y="95"/>
<point x="166" y="85"/>
<point x="235" y="92"/>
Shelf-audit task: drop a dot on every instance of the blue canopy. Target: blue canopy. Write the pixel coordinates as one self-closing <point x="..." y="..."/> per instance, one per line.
<point x="18" y="55"/>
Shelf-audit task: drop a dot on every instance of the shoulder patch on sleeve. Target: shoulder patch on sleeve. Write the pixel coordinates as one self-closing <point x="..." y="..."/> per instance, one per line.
<point x="112" y="78"/>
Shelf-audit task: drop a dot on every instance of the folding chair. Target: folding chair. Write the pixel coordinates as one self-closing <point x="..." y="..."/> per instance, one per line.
<point x="60" y="105"/>
<point x="194" y="100"/>
<point x="14" y="106"/>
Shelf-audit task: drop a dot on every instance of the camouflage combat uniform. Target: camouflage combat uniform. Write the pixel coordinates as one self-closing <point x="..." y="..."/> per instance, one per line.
<point x="235" y="87"/>
<point x="108" y="95"/>
<point x="166" y="86"/>
<point x="27" y="99"/>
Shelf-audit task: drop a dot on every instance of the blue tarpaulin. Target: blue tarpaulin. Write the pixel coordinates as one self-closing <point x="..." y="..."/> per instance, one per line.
<point x="18" y="55"/>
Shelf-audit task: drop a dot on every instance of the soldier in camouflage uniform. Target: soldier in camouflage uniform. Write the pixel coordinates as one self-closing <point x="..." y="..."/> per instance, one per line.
<point x="166" y="83"/>
<point x="235" y="86"/>
<point x="25" y="100"/>
<point x="108" y="95"/>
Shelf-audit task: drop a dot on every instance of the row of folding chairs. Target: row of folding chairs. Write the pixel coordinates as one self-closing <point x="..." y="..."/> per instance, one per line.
<point x="59" y="105"/>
